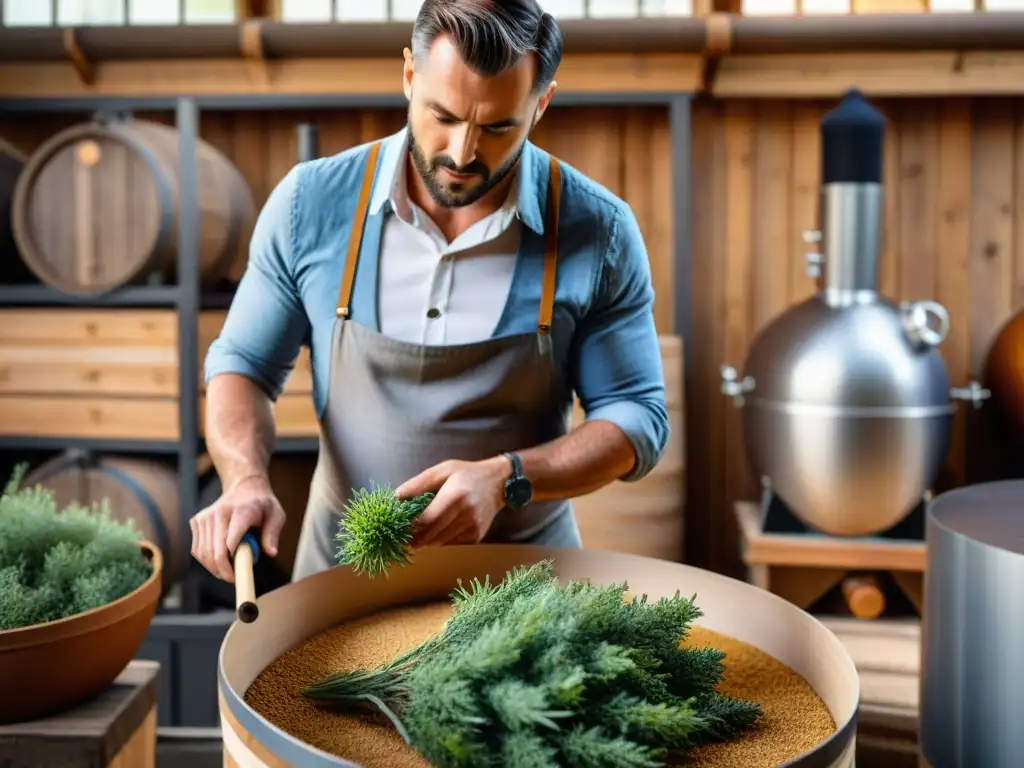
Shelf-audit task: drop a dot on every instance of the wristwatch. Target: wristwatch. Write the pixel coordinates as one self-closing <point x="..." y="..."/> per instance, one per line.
<point x="518" y="489"/>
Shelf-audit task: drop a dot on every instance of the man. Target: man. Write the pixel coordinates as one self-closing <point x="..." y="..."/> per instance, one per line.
<point x="455" y="284"/>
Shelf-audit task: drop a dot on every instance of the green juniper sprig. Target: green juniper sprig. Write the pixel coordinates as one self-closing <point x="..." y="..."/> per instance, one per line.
<point x="530" y="672"/>
<point x="56" y="563"/>
<point x="376" y="529"/>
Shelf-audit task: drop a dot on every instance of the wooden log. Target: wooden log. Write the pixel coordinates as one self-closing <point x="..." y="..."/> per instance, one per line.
<point x="863" y="596"/>
<point x="144" y="492"/>
<point x="645" y="517"/>
<point x="116" y="729"/>
<point x="96" y="208"/>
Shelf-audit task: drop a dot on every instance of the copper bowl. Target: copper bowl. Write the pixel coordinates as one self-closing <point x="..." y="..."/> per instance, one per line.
<point x="53" y="666"/>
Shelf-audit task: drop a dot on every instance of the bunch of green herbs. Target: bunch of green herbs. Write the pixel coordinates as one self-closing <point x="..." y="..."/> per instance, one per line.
<point x="530" y="672"/>
<point x="376" y="529"/>
<point x="57" y="563"/>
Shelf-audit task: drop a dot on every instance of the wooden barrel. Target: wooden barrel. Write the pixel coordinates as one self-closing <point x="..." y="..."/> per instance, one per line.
<point x="305" y="608"/>
<point x="139" y="490"/>
<point x="97" y="207"/>
<point x="290" y="477"/>
<point x="644" y="517"/>
<point x="12" y="268"/>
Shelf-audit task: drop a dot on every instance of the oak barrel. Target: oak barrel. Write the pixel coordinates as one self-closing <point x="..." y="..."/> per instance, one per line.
<point x="97" y="207"/>
<point x="139" y="490"/>
<point x="644" y="517"/>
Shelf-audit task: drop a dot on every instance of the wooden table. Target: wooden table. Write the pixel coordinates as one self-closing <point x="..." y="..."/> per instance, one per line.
<point x="115" y="729"/>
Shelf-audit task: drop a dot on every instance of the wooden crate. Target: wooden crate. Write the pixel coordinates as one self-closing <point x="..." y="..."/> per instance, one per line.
<point x="112" y="374"/>
<point x="114" y="729"/>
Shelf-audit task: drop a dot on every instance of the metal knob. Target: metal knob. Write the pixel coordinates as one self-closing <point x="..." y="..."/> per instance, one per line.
<point x="812" y="236"/>
<point x="915" y="317"/>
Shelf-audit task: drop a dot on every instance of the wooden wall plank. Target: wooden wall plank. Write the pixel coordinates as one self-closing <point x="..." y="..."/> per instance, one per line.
<point x="739" y="321"/>
<point x="804" y="192"/>
<point x="888" y="269"/>
<point x="773" y="247"/>
<point x="706" y="422"/>
<point x="917" y="196"/>
<point x="993" y="213"/>
<point x="953" y="257"/>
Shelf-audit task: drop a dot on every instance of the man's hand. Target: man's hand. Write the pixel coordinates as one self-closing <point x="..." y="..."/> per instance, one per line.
<point x="469" y="496"/>
<point x="217" y="530"/>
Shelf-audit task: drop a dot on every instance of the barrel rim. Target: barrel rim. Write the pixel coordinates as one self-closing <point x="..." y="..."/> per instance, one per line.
<point x="31" y="254"/>
<point x="935" y="519"/>
<point x="824" y="755"/>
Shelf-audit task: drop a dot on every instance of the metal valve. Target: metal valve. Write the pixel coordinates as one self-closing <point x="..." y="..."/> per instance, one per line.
<point x="813" y="262"/>
<point x="733" y="387"/>
<point x="973" y="393"/>
<point x="812" y="259"/>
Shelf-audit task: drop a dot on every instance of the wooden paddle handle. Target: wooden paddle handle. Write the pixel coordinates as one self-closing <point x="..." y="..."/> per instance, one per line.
<point x="246" y="555"/>
<point x="864" y="596"/>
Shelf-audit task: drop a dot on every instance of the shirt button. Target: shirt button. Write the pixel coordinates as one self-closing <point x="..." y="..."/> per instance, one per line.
<point x="433" y="312"/>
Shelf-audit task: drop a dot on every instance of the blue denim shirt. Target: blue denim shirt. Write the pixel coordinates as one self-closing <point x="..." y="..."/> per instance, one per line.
<point x="603" y="333"/>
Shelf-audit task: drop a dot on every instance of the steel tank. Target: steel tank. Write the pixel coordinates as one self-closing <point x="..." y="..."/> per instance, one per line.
<point x="972" y="660"/>
<point x="846" y="400"/>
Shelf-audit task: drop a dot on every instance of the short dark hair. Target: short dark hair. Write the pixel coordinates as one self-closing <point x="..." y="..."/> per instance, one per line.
<point x="491" y="35"/>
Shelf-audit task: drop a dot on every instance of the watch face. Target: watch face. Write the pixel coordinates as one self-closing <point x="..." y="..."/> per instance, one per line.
<point x="518" y="491"/>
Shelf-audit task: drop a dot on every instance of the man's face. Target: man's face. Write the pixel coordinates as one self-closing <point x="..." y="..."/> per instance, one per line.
<point x="467" y="131"/>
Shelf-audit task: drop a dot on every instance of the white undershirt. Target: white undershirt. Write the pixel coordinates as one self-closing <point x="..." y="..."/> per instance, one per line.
<point x="464" y="283"/>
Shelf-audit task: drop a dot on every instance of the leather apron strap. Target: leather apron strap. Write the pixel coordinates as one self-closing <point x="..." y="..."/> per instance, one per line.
<point x="355" y="238"/>
<point x="547" y="296"/>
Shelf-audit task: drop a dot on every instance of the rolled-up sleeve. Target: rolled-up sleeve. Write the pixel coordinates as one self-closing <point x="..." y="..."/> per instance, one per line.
<point x="616" y="354"/>
<point x="266" y="323"/>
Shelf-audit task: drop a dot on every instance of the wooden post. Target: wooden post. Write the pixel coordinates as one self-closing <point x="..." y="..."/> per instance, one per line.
<point x="115" y="729"/>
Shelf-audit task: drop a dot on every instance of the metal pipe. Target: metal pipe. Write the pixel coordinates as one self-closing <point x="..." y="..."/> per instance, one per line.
<point x="877" y="32"/>
<point x="187" y="119"/>
<point x="309" y="148"/>
<point x="747" y="35"/>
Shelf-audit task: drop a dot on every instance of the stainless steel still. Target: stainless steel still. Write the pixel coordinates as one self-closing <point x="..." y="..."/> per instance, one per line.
<point x="846" y="400"/>
<point x="972" y="660"/>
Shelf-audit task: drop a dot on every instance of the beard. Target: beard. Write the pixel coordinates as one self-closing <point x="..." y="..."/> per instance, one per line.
<point x="457" y="195"/>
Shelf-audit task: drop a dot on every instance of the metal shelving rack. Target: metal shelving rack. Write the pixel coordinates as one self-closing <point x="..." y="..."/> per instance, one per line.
<point x="186" y="296"/>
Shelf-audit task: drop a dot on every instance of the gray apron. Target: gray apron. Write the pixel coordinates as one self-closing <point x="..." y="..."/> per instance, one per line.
<point x="396" y="408"/>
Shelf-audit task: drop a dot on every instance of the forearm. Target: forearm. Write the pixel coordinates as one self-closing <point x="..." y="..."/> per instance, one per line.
<point x="239" y="428"/>
<point x="588" y="458"/>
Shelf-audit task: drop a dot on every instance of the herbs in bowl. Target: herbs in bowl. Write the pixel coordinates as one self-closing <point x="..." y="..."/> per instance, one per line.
<point x="56" y="563"/>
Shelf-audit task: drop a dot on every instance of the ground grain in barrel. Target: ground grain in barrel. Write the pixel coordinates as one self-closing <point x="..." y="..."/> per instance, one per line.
<point x="795" y="718"/>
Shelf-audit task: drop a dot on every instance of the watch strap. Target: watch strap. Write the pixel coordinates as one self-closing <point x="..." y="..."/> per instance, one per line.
<point x="517" y="464"/>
